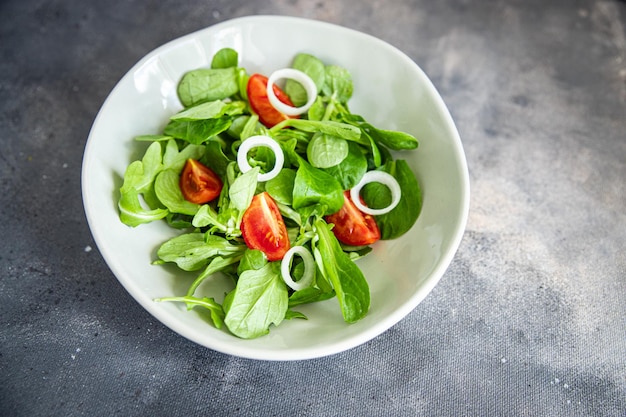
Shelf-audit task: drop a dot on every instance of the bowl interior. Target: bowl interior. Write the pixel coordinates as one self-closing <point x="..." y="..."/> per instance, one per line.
<point x="390" y="91"/>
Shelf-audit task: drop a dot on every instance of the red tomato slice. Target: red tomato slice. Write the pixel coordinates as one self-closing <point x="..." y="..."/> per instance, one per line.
<point x="198" y="183"/>
<point x="263" y="227"/>
<point x="353" y="227"/>
<point x="260" y="104"/>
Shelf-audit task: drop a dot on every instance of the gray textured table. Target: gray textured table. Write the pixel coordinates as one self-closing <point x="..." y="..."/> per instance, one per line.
<point x="530" y="318"/>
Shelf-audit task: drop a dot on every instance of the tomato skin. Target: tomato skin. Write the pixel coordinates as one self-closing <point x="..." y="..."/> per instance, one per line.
<point x="263" y="227"/>
<point x="198" y="183"/>
<point x="353" y="227"/>
<point x="260" y="104"/>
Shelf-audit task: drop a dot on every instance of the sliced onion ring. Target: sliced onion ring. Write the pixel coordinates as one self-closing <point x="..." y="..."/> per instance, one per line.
<point x="253" y="142"/>
<point x="309" y="268"/>
<point x="296" y="75"/>
<point x="383" y="178"/>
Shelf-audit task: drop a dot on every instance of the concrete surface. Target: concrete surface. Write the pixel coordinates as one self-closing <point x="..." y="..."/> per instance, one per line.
<point x="530" y="318"/>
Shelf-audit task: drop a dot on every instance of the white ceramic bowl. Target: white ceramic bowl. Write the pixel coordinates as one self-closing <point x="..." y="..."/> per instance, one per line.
<point x="390" y="91"/>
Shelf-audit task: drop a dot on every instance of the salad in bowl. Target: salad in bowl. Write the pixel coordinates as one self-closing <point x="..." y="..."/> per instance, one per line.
<point x="272" y="202"/>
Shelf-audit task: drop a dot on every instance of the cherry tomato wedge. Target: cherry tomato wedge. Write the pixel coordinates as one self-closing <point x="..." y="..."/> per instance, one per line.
<point x="263" y="227"/>
<point x="198" y="183"/>
<point x="353" y="227"/>
<point x="260" y="104"/>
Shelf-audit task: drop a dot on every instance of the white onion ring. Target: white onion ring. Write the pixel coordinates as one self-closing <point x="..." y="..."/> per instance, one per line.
<point x="383" y="178"/>
<point x="309" y="268"/>
<point x="253" y="142"/>
<point x="296" y="75"/>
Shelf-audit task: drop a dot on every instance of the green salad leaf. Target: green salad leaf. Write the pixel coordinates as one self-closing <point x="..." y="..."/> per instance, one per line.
<point x="225" y="58"/>
<point x="347" y="279"/>
<point x="259" y="300"/>
<point x="314" y="186"/>
<point x="208" y="84"/>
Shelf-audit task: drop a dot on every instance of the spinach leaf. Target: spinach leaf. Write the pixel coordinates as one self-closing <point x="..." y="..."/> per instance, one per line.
<point x="350" y="171"/>
<point x="338" y="83"/>
<point x="225" y="58"/>
<point x="260" y="299"/>
<point x="291" y="314"/>
<point x="309" y="295"/>
<point x="215" y="158"/>
<point x="207" y="84"/>
<point x="192" y="251"/>
<point x="311" y="213"/>
<point x="325" y="151"/>
<point x="197" y="132"/>
<point x="242" y="82"/>
<point x="280" y="188"/>
<point x="317" y="110"/>
<point x="237" y="126"/>
<point x="375" y="155"/>
<point x="252" y="259"/>
<point x="210" y="110"/>
<point x="242" y="190"/>
<point x="314" y="186"/>
<point x="312" y="67"/>
<point x="342" y="130"/>
<point x="168" y="191"/>
<point x="347" y="279"/>
<point x="250" y="128"/>
<point x="206" y="110"/>
<point x="178" y="220"/>
<point x="391" y="139"/>
<point x="399" y="220"/>
<point x="207" y="216"/>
